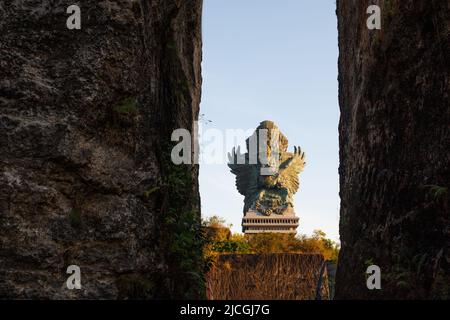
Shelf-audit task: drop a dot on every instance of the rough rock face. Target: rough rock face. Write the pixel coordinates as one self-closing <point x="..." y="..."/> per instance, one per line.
<point x="394" y="140"/>
<point x="85" y="123"/>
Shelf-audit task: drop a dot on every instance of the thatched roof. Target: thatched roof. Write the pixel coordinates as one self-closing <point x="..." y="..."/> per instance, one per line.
<point x="286" y="276"/>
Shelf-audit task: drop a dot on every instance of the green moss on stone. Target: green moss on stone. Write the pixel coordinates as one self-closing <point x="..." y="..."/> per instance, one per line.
<point x="75" y="217"/>
<point x="135" y="287"/>
<point x="127" y="106"/>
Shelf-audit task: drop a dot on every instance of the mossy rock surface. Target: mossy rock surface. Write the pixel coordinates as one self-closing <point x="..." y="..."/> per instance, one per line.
<point x="127" y="106"/>
<point x="135" y="287"/>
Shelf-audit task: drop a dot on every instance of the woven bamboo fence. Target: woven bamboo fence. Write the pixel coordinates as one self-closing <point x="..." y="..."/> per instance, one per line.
<point x="274" y="276"/>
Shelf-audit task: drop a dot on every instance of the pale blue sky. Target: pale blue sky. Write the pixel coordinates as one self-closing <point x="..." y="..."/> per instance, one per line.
<point x="274" y="60"/>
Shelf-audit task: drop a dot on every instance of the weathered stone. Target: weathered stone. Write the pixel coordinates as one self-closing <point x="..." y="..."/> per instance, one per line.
<point x="394" y="88"/>
<point x="84" y="116"/>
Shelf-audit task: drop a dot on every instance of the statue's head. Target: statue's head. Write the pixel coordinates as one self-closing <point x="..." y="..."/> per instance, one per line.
<point x="270" y="130"/>
<point x="270" y="149"/>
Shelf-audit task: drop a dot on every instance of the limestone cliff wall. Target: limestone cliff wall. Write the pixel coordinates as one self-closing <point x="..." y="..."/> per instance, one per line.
<point x="394" y="140"/>
<point x="85" y="123"/>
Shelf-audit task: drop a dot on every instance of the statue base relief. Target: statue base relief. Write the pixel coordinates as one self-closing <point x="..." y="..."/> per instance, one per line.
<point x="256" y="222"/>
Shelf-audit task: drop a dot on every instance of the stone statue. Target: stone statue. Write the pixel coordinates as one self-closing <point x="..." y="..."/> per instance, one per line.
<point x="268" y="177"/>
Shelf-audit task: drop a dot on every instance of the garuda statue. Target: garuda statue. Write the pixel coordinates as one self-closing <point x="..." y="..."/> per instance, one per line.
<point x="267" y="175"/>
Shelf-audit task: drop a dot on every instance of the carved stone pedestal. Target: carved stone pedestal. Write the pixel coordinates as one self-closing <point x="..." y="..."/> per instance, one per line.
<point x="255" y="222"/>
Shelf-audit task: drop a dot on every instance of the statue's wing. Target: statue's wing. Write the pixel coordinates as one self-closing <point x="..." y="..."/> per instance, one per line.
<point x="246" y="174"/>
<point x="292" y="164"/>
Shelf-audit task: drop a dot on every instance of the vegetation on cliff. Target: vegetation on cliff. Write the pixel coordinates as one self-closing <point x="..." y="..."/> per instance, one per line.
<point x="221" y="241"/>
